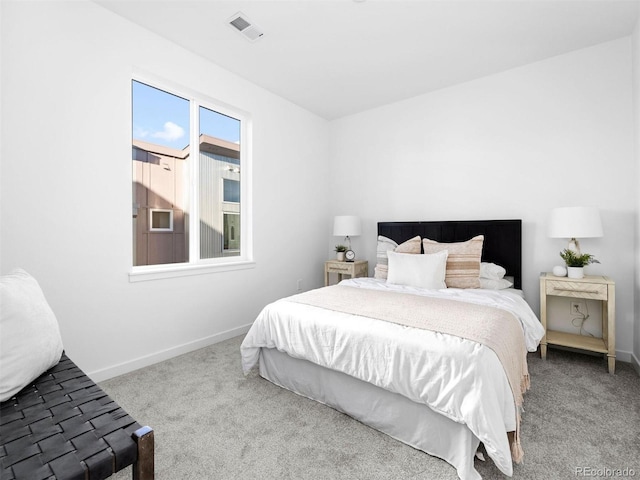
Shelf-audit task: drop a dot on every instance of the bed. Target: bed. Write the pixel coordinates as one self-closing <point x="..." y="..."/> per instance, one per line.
<point x="438" y="392"/>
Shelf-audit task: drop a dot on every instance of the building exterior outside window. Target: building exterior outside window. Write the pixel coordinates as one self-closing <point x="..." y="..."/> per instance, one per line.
<point x="159" y="173"/>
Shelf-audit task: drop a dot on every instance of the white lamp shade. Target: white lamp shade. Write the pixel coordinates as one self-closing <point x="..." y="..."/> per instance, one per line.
<point x="346" y="226"/>
<point x="575" y="222"/>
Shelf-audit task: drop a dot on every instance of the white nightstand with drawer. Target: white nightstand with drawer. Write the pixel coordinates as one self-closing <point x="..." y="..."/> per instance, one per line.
<point x="591" y="287"/>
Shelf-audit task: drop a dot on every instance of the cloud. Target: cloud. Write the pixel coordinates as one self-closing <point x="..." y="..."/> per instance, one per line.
<point x="171" y="132"/>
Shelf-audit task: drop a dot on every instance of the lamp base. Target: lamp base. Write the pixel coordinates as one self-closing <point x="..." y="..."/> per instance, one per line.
<point x="574" y="245"/>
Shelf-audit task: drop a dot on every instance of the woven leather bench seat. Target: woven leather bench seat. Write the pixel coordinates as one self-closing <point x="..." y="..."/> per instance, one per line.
<point x="64" y="427"/>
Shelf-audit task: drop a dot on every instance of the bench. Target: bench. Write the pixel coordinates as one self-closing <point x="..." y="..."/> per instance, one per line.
<point x="64" y="427"/>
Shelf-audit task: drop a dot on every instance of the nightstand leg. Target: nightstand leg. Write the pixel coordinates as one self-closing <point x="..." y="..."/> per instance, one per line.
<point x="611" y="328"/>
<point x="612" y="364"/>
<point x="543" y="316"/>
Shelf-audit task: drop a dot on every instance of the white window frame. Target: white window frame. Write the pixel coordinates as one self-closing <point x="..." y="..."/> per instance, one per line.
<point x="222" y="189"/>
<point x="160" y="229"/>
<point x="195" y="265"/>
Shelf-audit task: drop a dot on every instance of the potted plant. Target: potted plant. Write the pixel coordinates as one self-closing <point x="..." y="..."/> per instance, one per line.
<point x="576" y="262"/>
<point x="340" y="249"/>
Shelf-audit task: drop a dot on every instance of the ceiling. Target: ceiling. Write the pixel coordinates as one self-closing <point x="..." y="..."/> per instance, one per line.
<point x="340" y="57"/>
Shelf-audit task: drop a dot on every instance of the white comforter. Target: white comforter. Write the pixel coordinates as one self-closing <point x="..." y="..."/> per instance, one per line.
<point x="458" y="378"/>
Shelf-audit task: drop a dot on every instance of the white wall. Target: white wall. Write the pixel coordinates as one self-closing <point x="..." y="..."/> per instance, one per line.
<point x="66" y="192"/>
<point x="636" y="115"/>
<point x="513" y="145"/>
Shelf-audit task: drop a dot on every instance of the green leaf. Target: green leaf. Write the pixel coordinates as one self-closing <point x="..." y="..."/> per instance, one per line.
<point x="572" y="259"/>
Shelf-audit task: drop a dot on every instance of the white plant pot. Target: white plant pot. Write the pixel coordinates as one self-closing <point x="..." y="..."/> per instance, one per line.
<point x="575" y="272"/>
<point x="340" y="256"/>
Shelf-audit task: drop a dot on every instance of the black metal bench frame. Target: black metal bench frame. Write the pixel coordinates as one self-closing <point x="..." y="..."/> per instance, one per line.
<point x="64" y="427"/>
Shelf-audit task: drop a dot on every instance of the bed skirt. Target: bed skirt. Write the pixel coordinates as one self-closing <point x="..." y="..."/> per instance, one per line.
<point x="402" y="419"/>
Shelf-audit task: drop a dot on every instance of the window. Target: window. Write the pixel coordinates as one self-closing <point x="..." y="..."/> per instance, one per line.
<point x="231" y="190"/>
<point x="160" y="220"/>
<point x="190" y="201"/>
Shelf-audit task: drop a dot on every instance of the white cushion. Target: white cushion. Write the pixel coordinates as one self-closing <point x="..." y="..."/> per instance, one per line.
<point x="425" y="271"/>
<point x="493" y="284"/>
<point x="491" y="271"/>
<point x="30" y="342"/>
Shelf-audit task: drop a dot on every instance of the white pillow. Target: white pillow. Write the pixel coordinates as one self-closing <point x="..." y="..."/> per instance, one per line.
<point x="30" y="342"/>
<point x="491" y="271"/>
<point x="493" y="284"/>
<point x="425" y="270"/>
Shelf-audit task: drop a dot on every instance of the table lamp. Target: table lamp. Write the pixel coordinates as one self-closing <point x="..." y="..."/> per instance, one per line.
<point x="574" y="223"/>
<point x="347" y="226"/>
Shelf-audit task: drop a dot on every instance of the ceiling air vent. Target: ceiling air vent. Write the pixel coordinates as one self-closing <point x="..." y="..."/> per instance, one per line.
<point x="242" y="24"/>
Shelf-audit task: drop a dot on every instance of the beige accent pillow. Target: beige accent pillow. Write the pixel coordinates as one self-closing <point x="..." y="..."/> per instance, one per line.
<point x="463" y="262"/>
<point x="386" y="244"/>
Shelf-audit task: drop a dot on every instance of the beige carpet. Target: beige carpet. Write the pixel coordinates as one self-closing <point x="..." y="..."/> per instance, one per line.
<point x="211" y="422"/>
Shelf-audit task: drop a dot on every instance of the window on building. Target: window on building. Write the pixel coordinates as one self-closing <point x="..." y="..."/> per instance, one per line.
<point x="231" y="190"/>
<point x="188" y="172"/>
<point x="160" y="220"/>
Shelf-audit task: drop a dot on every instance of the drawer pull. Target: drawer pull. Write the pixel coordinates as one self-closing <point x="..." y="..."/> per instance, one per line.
<point x="574" y="290"/>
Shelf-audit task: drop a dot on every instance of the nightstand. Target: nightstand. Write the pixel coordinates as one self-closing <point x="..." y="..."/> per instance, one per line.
<point x="357" y="268"/>
<point x="591" y="287"/>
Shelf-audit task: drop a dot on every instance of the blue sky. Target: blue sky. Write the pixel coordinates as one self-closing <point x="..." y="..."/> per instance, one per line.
<point x="162" y="118"/>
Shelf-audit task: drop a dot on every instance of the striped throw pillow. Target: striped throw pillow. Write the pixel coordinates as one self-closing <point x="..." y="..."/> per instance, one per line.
<point x="463" y="262"/>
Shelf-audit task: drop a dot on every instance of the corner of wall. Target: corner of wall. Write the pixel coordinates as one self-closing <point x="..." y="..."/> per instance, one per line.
<point x="635" y="63"/>
<point x="635" y="363"/>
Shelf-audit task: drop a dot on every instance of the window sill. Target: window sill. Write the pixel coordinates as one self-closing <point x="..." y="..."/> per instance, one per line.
<point x="143" y="274"/>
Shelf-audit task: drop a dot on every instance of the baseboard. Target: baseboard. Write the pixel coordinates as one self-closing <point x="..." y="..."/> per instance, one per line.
<point x="621" y="355"/>
<point x="635" y="363"/>
<point x="141" y="362"/>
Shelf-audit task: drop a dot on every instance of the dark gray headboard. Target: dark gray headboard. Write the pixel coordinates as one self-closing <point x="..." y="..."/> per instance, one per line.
<point x="502" y="238"/>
